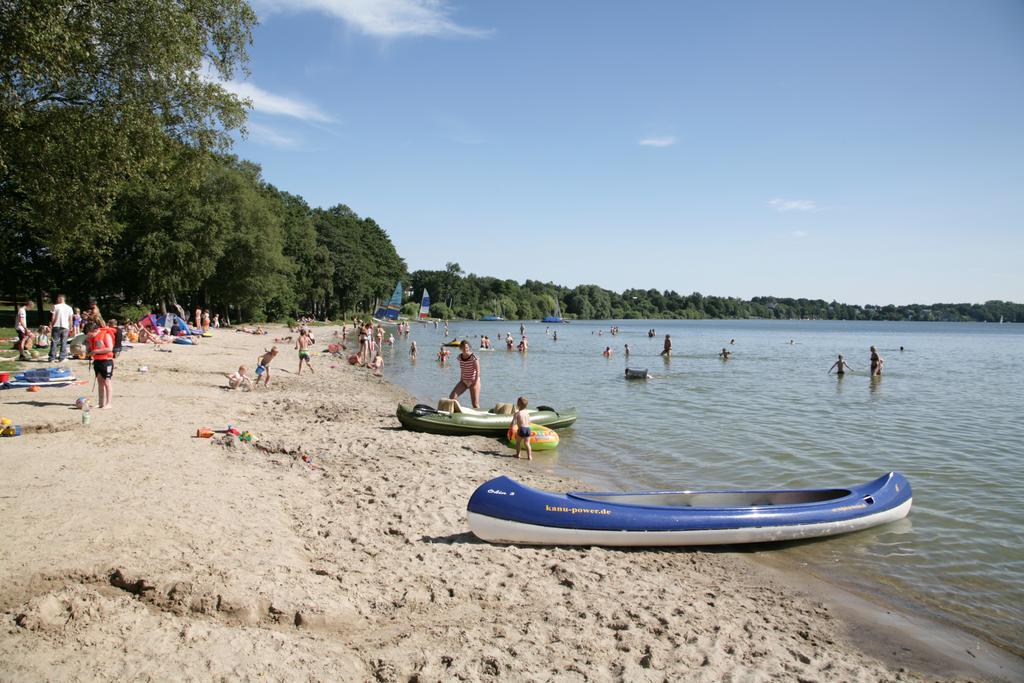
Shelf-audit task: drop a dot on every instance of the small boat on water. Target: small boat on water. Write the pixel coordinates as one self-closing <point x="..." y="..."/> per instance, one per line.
<point x="424" y="306"/>
<point x="423" y="418"/>
<point x="505" y="511"/>
<point x="388" y="315"/>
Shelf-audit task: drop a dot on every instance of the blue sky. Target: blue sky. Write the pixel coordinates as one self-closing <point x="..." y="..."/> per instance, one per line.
<point x="869" y="152"/>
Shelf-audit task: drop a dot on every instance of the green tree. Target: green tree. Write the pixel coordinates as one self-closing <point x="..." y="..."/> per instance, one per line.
<point x="93" y="95"/>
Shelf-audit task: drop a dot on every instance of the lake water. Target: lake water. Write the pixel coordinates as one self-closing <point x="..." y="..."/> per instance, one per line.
<point x="948" y="413"/>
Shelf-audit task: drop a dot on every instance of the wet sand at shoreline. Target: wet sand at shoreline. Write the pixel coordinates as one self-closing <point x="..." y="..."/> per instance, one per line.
<point x="134" y="550"/>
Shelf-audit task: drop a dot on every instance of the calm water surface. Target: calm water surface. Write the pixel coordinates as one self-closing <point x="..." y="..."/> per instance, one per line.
<point x="948" y="413"/>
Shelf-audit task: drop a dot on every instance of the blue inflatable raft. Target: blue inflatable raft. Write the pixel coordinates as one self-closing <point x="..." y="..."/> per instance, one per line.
<point x="43" y="374"/>
<point x="505" y="511"/>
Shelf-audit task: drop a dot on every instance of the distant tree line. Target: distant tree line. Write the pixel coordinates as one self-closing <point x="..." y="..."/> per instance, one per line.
<point x="458" y="295"/>
<point x="116" y="183"/>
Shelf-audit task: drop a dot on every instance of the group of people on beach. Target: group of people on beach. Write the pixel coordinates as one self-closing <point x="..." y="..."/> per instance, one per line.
<point x="103" y="340"/>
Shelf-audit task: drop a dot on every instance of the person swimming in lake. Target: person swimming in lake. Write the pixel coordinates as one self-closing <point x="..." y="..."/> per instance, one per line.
<point x="607" y="353"/>
<point x="876" y="363"/>
<point x="839" y="366"/>
<point x="725" y="354"/>
<point x="412" y="350"/>
<point x="625" y="350"/>
<point x="667" y="351"/>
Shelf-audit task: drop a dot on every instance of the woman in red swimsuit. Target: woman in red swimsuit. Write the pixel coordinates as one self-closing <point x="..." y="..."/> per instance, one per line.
<point x="469" y="375"/>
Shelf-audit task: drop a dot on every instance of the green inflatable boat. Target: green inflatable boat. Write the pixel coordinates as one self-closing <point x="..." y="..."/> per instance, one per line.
<point x="423" y="418"/>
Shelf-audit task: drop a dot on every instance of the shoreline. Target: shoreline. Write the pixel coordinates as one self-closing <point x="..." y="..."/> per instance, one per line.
<point x="136" y="549"/>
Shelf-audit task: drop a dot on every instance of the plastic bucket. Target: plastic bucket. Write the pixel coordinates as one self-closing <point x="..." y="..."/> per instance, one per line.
<point x="4" y="377"/>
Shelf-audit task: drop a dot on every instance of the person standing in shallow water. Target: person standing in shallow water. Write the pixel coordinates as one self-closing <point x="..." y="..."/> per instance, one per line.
<point x="667" y="351"/>
<point x="469" y="375"/>
<point x="876" y="363"/>
<point x="839" y="366"/>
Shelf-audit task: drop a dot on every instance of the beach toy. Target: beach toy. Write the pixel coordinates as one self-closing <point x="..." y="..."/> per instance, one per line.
<point x="232" y="431"/>
<point x="81" y="402"/>
<point x="4" y="376"/>
<point x="541" y="438"/>
<point x="144" y="368"/>
<point x="10" y="430"/>
<point x="246" y="437"/>
<point x="204" y="433"/>
<point x="5" y="421"/>
<point x="32" y="389"/>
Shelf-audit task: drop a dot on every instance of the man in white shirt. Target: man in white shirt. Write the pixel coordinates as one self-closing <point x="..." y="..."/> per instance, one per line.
<point x="60" y="323"/>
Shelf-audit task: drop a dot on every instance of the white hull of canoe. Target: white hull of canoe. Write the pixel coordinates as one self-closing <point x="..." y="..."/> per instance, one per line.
<point x="495" y="530"/>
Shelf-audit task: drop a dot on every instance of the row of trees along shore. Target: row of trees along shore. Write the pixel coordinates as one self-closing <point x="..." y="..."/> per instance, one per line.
<point x="117" y="183"/>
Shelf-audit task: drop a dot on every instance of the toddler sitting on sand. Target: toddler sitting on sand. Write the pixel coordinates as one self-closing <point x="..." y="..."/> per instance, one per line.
<point x="236" y="380"/>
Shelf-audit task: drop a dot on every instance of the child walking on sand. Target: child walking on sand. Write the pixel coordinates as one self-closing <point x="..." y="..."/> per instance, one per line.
<point x="303" y="344"/>
<point x="236" y="380"/>
<point x="521" y="428"/>
<point x="263" y="366"/>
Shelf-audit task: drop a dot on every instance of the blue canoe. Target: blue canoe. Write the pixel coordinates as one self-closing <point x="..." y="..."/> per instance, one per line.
<point x="505" y="511"/>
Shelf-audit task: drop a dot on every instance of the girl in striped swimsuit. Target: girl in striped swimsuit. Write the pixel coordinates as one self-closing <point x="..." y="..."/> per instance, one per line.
<point x="469" y="378"/>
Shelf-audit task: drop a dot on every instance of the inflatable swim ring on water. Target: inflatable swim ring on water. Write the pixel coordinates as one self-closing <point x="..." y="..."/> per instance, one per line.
<point x="541" y="438"/>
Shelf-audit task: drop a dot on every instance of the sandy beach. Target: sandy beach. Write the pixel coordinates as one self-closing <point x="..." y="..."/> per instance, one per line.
<point x="134" y="550"/>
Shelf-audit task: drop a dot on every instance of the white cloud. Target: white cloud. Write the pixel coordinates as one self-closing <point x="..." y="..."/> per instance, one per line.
<point x="266" y="135"/>
<point x="660" y="141"/>
<point x="792" y="204"/>
<point x="269" y="103"/>
<point x="383" y="18"/>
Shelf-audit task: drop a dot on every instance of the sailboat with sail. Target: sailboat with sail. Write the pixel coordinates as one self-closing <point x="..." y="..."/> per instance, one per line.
<point x="390" y="312"/>
<point x="425" y="306"/>
<point x="494" y="317"/>
<point x="556" y="318"/>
